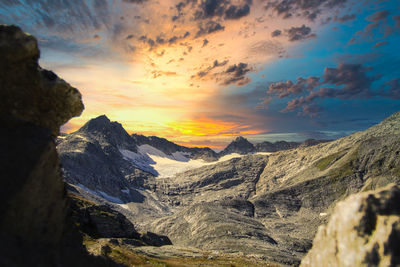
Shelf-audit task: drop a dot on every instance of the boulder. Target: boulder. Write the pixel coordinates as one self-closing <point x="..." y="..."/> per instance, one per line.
<point x="364" y="230"/>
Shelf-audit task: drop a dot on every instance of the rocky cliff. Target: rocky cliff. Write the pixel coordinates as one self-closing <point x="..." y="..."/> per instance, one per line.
<point x="35" y="229"/>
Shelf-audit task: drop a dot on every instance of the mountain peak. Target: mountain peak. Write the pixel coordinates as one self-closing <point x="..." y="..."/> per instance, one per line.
<point x="101" y="124"/>
<point x="240" y="139"/>
<point x="239" y="145"/>
<point x="110" y="131"/>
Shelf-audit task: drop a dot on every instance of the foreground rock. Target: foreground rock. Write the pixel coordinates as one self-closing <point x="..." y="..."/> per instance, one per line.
<point x="34" y="226"/>
<point x="364" y="230"/>
<point x="32" y="93"/>
<point x="101" y="221"/>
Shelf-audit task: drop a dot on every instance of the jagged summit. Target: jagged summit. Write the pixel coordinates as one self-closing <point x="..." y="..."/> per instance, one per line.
<point x="107" y="131"/>
<point x="98" y="124"/>
<point x="240" y="145"/>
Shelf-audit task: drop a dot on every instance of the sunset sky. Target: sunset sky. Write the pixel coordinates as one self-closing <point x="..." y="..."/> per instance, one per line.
<point x="201" y="72"/>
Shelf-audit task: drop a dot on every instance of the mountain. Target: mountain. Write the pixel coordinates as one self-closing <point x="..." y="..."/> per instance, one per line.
<point x="277" y="146"/>
<point x="280" y="198"/>
<point x="103" y="148"/>
<point x="240" y="146"/>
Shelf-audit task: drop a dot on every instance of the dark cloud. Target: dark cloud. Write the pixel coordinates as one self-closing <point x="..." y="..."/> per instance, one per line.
<point x="303" y="8"/>
<point x="345" y="18"/>
<point x="207" y="70"/>
<point x="299" y="33"/>
<point x="276" y="33"/>
<point x="209" y="27"/>
<point x="208" y="9"/>
<point x="160" y="39"/>
<point x="284" y="89"/>
<point x="352" y="77"/>
<point x="346" y="81"/>
<point x="235" y="12"/>
<point x="237" y="75"/>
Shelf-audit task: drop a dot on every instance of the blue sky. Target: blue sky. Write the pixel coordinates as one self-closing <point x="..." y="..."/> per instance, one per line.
<point x="200" y="72"/>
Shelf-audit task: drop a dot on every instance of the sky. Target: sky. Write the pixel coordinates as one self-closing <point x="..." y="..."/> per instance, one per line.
<point x="201" y="72"/>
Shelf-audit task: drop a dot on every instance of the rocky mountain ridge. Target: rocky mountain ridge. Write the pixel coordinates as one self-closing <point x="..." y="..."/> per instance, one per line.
<point x="287" y="193"/>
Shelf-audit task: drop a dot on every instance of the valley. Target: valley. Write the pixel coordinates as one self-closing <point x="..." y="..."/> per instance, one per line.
<point x="240" y="201"/>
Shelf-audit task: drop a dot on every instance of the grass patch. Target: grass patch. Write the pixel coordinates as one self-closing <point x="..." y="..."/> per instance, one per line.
<point x="326" y="162"/>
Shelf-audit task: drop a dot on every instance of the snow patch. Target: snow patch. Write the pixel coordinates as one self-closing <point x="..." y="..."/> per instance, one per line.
<point x="139" y="160"/>
<point x="126" y="191"/>
<point x="101" y="194"/>
<point x="110" y="198"/>
<point x="124" y="206"/>
<point x="155" y="161"/>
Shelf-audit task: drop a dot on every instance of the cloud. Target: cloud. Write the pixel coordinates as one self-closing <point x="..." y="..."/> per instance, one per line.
<point x="206" y="71"/>
<point x="160" y="39"/>
<point x="379" y="44"/>
<point x="208" y="9"/>
<point x="301" y="8"/>
<point x="236" y="75"/>
<point x="235" y="12"/>
<point x="158" y="73"/>
<point x="284" y="89"/>
<point x="299" y="33"/>
<point x="378" y="20"/>
<point x="346" y="81"/>
<point x="276" y="33"/>
<point x="209" y="27"/>
<point x="345" y="18"/>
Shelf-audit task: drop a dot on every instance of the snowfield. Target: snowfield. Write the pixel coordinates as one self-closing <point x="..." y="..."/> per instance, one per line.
<point x="152" y="160"/>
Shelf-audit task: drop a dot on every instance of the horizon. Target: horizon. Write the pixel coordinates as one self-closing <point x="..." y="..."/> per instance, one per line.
<point x="200" y="73"/>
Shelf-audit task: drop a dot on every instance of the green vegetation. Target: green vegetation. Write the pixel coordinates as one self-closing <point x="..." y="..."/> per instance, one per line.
<point x="326" y="162"/>
<point x="127" y="256"/>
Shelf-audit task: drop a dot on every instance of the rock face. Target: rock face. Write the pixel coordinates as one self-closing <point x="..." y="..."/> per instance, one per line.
<point x="33" y="94"/>
<point x="34" y="227"/>
<point x="97" y="146"/>
<point x="364" y="230"/>
<point x="101" y="221"/>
